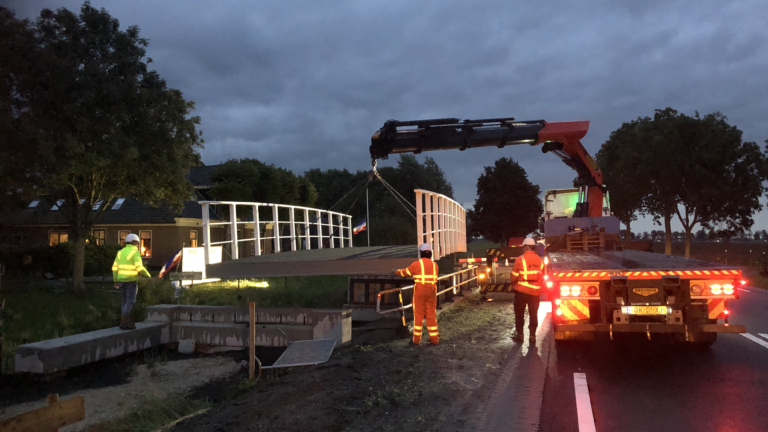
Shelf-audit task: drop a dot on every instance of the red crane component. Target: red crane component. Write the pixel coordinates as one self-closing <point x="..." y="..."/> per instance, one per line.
<point x="561" y="138"/>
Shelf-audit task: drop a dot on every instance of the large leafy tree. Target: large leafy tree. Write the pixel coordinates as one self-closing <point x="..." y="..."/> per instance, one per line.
<point x="85" y="120"/>
<point x="391" y="222"/>
<point x="627" y="185"/>
<point x="694" y="168"/>
<point x="507" y="204"/>
<point x="250" y="180"/>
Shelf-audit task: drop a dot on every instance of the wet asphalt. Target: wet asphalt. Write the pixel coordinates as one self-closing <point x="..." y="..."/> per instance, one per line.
<point x="640" y="385"/>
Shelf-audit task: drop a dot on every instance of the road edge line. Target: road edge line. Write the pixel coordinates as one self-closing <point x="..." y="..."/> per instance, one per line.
<point x="755" y="339"/>
<point x="583" y="403"/>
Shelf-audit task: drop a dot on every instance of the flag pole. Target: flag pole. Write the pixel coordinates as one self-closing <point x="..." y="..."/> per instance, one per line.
<point x="367" y="218"/>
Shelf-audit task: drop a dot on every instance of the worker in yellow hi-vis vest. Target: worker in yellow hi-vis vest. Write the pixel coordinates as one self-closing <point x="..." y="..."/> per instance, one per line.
<point x="424" y="274"/>
<point x="125" y="273"/>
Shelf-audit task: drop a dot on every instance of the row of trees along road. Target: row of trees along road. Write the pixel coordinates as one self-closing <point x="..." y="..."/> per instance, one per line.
<point x="390" y="223"/>
<point x="695" y="168"/>
<point x="84" y="120"/>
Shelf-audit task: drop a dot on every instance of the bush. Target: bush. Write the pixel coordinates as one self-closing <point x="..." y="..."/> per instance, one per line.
<point x="151" y="292"/>
<point x="57" y="259"/>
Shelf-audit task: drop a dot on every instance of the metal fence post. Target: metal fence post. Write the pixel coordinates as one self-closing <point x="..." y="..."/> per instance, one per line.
<point x="419" y="218"/>
<point x="319" y="224"/>
<point x="349" y="229"/>
<point x="308" y="245"/>
<point x="233" y="228"/>
<point x="330" y="228"/>
<point x="206" y="233"/>
<point x="256" y="231"/>
<point x="275" y="228"/>
<point x="292" y="219"/>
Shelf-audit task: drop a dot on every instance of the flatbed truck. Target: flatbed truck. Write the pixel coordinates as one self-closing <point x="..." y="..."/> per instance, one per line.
<point x="594" y="283"/>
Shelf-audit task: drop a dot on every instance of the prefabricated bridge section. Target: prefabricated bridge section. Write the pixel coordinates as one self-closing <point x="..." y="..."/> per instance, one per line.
<point x="206" y="325"/>
<point x="440" y="221"/>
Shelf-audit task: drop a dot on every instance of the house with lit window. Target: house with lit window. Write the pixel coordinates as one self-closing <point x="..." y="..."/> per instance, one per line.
<point x="162" y="231"/>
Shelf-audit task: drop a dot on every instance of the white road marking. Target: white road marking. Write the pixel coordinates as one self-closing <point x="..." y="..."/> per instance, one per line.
<point x="756" y="339"/>
<point x="583" y="404"/>
<point x="765" y="335"/>
<point x="745" y="290"/>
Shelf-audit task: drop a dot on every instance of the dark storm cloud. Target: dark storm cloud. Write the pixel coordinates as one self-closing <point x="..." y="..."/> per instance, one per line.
<point x="304" y="84"/>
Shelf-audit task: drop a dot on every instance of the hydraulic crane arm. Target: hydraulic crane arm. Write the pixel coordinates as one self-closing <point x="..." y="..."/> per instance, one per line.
<point x="560" y="138"/>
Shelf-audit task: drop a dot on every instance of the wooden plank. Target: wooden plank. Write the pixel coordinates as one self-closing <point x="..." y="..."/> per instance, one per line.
<point x="252" y="340"/>
<point x="48" y="418"/>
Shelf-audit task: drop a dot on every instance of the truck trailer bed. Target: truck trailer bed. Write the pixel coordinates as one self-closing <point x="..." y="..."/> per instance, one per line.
<point x="630" y="261"/>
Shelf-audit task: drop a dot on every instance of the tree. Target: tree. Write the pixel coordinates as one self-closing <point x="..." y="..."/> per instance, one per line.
<point x="390" y="222"/>
<point x="627" y="185"/>
<point x="89" y="121"/>
<point x="250" y="180"/>
<point x="507" y="204"/>
<point x="693" y="165"/>
<point x="701" y="235"/>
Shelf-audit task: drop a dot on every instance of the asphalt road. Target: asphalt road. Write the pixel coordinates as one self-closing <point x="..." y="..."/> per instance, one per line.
<point x="640" y="385"/>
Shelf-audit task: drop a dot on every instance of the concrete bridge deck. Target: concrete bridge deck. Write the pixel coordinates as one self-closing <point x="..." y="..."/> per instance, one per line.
<point x="373" y="260"/>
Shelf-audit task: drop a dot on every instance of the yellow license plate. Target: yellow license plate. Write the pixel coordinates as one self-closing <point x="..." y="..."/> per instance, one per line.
<point x="645" y="310"/>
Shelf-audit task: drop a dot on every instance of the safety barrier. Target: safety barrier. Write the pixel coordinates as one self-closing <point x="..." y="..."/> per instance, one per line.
<point x="400" y="290"/>
<point x="441" y="222"/>
<point x="337" y="227"/>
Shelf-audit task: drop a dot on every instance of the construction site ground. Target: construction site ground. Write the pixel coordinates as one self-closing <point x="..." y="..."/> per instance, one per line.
<point x="394" y="386"/>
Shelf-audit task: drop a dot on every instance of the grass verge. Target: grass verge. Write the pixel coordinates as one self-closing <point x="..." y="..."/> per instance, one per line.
<point x="152" y="414"/>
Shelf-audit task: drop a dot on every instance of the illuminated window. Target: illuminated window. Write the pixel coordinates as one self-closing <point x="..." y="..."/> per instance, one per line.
<point x="97" y="205"/>
<point x="118" y="202"/>
<point x="57" y="205"/>
<point x="193" y="238"/>
<point x="121" y="235"/>
<point x="145" y="243"/>
<point x="56" y="237"/>
<point x="34" y="204"/>
<point x="99" y="235"/>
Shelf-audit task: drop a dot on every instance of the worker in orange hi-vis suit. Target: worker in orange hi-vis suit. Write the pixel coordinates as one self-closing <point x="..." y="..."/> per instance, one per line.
<point x="424" y="274"/>
<point x="527" y="276"/>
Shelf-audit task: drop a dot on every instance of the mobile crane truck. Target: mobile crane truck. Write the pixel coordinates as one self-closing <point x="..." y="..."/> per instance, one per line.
<point x="594" y="284"/>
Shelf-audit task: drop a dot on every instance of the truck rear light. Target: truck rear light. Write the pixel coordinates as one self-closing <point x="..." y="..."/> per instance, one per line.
<point x="697" y="289"/>
<point x="575" y="290"/>
<point x="565" y="291"/>
<point x="726" y="312"/>
<point x="715" y="289"/>
<point x="481" y="276"/>
<point x="743" y="282"/>
<point x="546" y="277"/>
<point x="546" y="260"/>
<point x="549" y="284"/>
<point x="559" y="312"/>
<point x="592" y="290"/>
<point x="728" y="289"/>
<point x="558" y="301"/>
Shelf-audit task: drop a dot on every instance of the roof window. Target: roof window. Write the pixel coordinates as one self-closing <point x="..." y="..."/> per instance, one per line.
<point x="118" y="203"/>
<point x="57" y="205"/>
<point x="34" y="203"/>
<point x="97" y="205"/>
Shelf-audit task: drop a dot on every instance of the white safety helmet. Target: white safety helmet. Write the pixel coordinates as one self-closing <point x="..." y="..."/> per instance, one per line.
<point x="529" y="241"/>
<point x="425" y="247"/>
<point x="130" y="238"/>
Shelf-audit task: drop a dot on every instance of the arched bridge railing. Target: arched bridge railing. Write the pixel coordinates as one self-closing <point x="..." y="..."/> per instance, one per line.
<point x="263" y="223"/>
<point x="441" y="222"/>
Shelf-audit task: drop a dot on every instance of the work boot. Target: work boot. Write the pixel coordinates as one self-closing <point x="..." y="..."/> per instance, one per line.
<point x="124" y="322"/>
<point x="532" y="337"/>
<point x="517" y="337"/>
<point x="129" y="325"/>
<point x="413" y="344"/>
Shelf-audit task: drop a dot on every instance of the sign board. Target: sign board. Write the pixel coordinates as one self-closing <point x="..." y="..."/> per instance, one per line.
<point x="182" y="276"/>
<point x="193" y="259"/>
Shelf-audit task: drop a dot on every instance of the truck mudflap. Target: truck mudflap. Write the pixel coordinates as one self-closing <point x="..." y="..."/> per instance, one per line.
<point x="651" y="328"/>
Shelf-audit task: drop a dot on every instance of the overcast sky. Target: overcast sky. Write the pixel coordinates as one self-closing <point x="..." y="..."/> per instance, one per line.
<point x="304" y="84"/>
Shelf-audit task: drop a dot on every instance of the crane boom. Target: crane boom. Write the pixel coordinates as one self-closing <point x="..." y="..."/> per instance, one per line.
<point x="561" y="138"/>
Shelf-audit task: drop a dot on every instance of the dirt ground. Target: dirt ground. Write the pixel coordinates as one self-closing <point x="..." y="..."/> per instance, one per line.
<point x="389" y="386"/>
<point x="154" y="380"/>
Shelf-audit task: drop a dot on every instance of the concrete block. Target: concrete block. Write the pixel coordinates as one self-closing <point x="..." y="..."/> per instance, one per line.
<point x="230" y="314"/>
<point x="275" y="334"/>
<point x="210" y="333"/>
<point x="186" y="346"/>
<point x="163" y="313"/>
<point x="194" y="313"/>
<point x="332" y="324"/>
<point x="363" y="312"/>
<point x="71" y="351"/>
<point x="299" y="316"/>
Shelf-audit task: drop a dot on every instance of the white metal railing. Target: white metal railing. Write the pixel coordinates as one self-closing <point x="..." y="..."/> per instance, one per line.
<point x="337" y="226"/>
<point x="461" y="274"/>
<point x="441" y="222"/>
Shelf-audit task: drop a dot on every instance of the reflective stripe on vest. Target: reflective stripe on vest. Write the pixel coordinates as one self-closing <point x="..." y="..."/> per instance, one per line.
<point x="425" y="278"/>
<point x="529" y="276"/>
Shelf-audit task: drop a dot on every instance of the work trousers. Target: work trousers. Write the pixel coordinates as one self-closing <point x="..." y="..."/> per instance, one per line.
<point x="425" y="303"/>
<point x="521" y="301"/>
<point x="129" y="290"/>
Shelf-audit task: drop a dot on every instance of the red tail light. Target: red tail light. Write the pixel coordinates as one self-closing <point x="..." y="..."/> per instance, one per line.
<point x="726" y="312"/>
<point x="743" y="282"/>
<point x="592" y="290"/>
